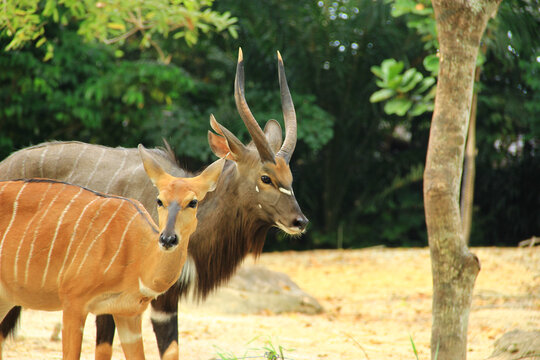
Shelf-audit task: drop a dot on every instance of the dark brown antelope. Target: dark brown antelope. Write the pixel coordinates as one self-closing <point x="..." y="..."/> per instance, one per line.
<point x="253" y="194"/>
<point x="64" y="247"/>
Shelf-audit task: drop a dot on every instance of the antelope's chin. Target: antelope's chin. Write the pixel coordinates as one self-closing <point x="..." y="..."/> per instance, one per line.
<point x="289" y="230"/>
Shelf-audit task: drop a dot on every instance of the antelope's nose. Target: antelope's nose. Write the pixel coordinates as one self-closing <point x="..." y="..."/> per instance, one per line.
<point x="300" y="222"/>
<point x="168" y="241"/>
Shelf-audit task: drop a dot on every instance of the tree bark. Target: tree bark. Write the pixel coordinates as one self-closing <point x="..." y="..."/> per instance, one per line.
<point x="469" y="168"/>
<point x="460" y="25"/>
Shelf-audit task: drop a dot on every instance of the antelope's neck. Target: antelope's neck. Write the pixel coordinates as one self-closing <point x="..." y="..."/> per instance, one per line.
<point x="227" y="232"/>
<point x="161" y="268"/>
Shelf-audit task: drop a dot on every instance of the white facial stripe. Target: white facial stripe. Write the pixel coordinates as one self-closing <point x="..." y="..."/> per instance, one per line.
<point x="256" y="188"/>
<point x="146" y="291"/>
<point x="290" y="231"/>
<point x="285" y="191"/>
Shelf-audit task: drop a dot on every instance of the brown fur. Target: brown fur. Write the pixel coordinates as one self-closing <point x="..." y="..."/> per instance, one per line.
<point x="89" y="262"/>
<point x="233" y="221"/>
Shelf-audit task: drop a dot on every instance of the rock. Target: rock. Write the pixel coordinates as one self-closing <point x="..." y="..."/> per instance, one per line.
<point x="255" y="289"/>
<point x="517" y="344"/>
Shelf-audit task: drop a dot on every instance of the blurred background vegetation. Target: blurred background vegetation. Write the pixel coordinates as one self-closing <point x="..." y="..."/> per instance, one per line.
<point x="361" y="73"/>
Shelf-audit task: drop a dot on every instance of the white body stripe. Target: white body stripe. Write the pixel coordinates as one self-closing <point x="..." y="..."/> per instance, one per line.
<point x="37" y="231"/>
<point x="88" y="229"/>
<point x="23" y="165"/>
<point x="121" y="242"/>
<point x="151" y="187"/>
<point x="160" y="316"/>
<point x="71" y="241"/>
<point x="70" y="176"/>
<point x="132" y="176"/>
<point x="120" y="168"/>
<point x="3" y="187"/>
<point x="30" y="223"/>
<point x="13" y="215"/>
<point x="58" y="223"/>
<point x="11" y="161"/>
<point x="99" y="236"/>
<point x="41" y="159"/>
<point x="96" y="167"/>
<point x="58" y="159"/>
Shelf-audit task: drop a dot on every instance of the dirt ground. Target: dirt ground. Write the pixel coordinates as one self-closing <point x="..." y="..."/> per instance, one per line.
<point x="375" y="300"/>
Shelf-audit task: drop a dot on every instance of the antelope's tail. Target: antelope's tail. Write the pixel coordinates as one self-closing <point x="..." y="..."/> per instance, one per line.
<point x="10" y="322"/>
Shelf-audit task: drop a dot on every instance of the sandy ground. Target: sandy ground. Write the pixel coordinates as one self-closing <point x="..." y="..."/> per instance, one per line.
<point x="375" y="301"/>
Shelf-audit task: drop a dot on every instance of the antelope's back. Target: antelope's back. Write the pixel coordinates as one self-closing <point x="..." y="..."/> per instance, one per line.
<point x="117" y="171"/>
<point x="51" y="232"/>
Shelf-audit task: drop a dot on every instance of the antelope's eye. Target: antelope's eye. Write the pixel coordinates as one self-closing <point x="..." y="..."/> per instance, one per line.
<point x="266" y="179"/>
<point x="159" y="202"/>
<point x="193" y="203"/>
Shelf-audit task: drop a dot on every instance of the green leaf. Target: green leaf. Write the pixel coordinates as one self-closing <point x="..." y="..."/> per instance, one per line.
<point x="418" y="109"/>
<point x="394" y="81"/>
<point x="116" y="26"/>
<point x="408" y="75"/>
<point x="381" y="95"/>
<point x="431" y="63"/>
<point x="377" y="71"/>
<point x="425" y="84"/>
<point x="397" y="106"/>
<point x="416" y="78"/>
<point x="391" y="68"/>
<point x="41" y="42"/>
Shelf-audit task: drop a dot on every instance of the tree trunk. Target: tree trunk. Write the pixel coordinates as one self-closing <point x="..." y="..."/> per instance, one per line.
<point x="460" y="25"/>
<point x="469" y="168"/>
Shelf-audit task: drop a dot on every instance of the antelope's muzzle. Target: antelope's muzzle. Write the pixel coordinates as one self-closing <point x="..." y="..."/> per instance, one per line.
<point x="168" y="242"/>
<point x="168" y="237"/>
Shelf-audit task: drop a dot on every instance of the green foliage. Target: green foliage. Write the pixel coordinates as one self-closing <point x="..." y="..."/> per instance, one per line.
<point x="83" y="93"/>
<point x="271" y="352"/>
<point x="357" y="170"/>
<point x="416" y="351"/>
<point x="420" y="18"/>
<point x="395" y="87"/>
<point x="112" y="21"/>
<point x="410" y="93"/>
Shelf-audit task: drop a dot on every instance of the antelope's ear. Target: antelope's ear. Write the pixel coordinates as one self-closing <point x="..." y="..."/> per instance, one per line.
<point x="151" y="166"/>
<point x="225" y="144"/>
<point x="207" y="180"/>
<point x="272" y="130"/>
<point x="219" y="146"/>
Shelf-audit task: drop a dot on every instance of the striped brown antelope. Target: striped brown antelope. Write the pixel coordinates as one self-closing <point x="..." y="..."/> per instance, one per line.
<point x="64" y="247"/>
<point x="253" y="194"/>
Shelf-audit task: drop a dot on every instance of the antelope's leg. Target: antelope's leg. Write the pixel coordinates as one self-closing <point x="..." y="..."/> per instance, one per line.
<point x="129" y="331"/>
<point x="9" y="322"/>
<point x="104" y="337"/>
<point x="164" y="317"/>
<point x="73" y="319"/>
